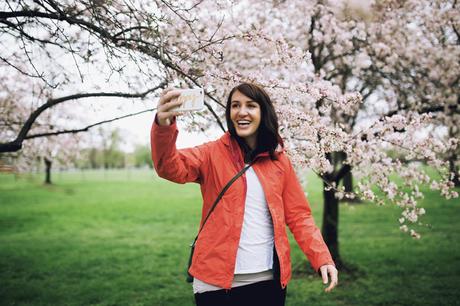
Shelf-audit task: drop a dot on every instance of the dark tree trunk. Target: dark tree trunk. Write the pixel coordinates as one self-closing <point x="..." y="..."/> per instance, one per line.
<point x="48" y="164"/>
<point x="453" y="168"/>
<point x="453" y="158"/>
<point x="347" y="177"/>
<point x="331" y="223"/>
<point x="348" y="182"/>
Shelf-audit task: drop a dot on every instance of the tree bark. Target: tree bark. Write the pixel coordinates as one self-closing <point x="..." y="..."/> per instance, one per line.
<point x="12" y="146"/>
<point x="48" y="163"/>
<point x="348" y="182"/>
<point x="331" y="223"/>
<point x="453" y="158"/>
<point x="453" y="168"/>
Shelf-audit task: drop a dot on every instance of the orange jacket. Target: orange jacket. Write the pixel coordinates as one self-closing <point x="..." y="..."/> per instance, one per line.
<point x="212" y="165"/>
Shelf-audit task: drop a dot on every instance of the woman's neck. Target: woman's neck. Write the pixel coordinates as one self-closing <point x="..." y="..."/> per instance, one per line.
<point x="251" y="141"/>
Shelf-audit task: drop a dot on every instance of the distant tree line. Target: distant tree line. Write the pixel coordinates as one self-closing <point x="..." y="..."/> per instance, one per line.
<point x="100" y="158"/>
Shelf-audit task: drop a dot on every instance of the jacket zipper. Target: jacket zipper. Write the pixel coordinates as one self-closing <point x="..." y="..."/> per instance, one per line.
<point x="274" y="242"/>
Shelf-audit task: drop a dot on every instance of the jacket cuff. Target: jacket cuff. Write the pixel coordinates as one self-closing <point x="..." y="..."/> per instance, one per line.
<point x="166" y="134"/>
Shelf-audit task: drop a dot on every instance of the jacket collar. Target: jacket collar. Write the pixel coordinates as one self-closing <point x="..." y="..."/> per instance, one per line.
<point x="231" y="142"/>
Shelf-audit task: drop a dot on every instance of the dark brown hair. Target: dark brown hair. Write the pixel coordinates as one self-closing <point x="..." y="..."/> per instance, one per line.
<point x="268" y="137"/>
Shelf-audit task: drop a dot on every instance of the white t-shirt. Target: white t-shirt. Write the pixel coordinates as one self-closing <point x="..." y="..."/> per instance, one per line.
<point x="255" y="251"/>
<point x="254" y="258"/>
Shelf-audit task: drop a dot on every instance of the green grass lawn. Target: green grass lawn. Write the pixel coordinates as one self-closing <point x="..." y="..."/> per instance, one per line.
<point x="121" y="238"/>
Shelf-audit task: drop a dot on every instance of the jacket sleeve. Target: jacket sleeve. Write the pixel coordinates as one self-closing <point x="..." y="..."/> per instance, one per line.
<point x="180" y="166"/>
<point x="300" y="221"/>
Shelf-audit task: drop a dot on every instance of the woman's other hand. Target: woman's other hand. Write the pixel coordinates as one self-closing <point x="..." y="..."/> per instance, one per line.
<point x="168" y="100"/>
<point x="332" y="271"/>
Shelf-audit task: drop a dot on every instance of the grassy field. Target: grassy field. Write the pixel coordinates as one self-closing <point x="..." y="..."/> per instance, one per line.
<point x="121" y="237"/>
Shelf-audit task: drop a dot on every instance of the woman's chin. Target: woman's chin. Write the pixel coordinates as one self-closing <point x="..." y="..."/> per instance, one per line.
<point x="243" y="134"/>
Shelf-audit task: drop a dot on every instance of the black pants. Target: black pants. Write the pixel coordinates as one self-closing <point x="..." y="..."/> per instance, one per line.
<point x="266" y="293"/>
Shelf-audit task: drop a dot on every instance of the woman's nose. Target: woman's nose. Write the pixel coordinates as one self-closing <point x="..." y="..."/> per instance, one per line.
<point x="243" y="111"/>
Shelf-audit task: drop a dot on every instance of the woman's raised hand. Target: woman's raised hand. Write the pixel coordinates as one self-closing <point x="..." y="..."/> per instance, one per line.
<point x="168" y="100"/>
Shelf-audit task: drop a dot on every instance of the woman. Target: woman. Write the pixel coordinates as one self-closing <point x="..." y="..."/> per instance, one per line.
<point x="242" y="255"/>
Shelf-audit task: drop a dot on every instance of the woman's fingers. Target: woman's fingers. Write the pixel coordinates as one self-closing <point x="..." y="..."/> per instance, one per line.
<point x="168" y="106"/>
<point x="166" y="110"/>
<point x="168" y="101"/>
<point x="167" y="95"/>
<point x="332" y="271"/>
<point x="165" y="91"/>
<point x="324" y="274"/>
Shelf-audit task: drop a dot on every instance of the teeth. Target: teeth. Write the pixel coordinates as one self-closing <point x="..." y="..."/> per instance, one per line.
<point x="243" y="122"/>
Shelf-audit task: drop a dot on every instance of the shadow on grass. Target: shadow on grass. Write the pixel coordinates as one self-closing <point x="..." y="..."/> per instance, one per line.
<point x="348" y="269"/>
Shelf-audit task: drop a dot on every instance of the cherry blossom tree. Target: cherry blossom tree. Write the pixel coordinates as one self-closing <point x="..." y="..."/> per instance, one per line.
<point x="325" y="73"/>
<point x="424" y="74"/>
<point x="359" y="53"/>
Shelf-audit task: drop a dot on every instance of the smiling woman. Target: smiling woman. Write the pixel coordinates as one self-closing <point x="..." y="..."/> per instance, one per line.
<point x="252" y="120"/>
<point x="245" y="116"/>
<point x="242" y="254"/>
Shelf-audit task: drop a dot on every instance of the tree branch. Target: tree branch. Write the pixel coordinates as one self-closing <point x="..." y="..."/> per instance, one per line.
<point x="16" y="144"/>
<point x="431" y="109"/>
<point x="61" y="17"/>
<point x="86" y="128"/>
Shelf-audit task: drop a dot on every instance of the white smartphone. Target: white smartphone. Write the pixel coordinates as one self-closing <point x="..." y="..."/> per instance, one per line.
<point x="192" y="100"/>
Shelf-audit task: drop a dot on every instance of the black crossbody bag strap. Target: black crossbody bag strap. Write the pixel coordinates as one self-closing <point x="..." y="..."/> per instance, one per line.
<point x="189" y="278"/>
<point x="219" y="197"/>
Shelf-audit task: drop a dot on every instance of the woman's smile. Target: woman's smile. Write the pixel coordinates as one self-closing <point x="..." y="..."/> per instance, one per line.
<point x="243" y="124"/>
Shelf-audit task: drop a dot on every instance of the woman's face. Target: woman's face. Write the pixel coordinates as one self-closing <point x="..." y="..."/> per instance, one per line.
<point x="245" y="115"/>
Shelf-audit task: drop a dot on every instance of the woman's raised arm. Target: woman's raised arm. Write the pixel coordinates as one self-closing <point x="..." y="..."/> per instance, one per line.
<point x="180" y="166"/>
